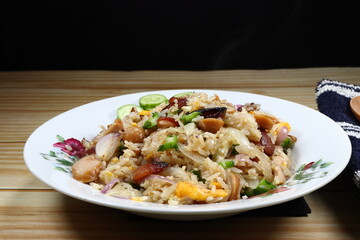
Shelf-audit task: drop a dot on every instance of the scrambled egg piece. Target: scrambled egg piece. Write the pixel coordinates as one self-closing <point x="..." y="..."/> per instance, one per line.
<point x="144" y="112"/>
<point x="185" y="189"/>
<point x="284" y="124"/>
<point x="216" y="184"/>
<point x="276" y="128"/>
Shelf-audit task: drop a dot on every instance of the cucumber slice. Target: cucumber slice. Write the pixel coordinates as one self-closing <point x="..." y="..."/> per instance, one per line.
<point x="152" y="100"/>
<point x="183" y="94"/>
<point x="126" y="109"/>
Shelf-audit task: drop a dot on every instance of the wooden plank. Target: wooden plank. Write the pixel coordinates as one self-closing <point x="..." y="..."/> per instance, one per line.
<point x="16" y="126"/>
<point x="21" y="99"/>
<point x="175" y="79"/>
<point x="13" y="172"/>
<point x="57" y="216"/>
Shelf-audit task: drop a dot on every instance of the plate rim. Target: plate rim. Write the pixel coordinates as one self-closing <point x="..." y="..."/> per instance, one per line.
<point x="164" y="209"/>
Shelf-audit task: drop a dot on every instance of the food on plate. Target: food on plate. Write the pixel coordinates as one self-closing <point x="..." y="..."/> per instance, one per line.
<point x="190" y="149"/>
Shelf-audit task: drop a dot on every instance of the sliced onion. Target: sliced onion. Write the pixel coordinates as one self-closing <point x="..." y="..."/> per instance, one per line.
<point x="155" y="177"/>
<point x="107" y="145"/>
<point x="110" y="185"/>
<point x="193" y="156"/>
<point x="247" y="148"/>
<point x="282" y="134"/>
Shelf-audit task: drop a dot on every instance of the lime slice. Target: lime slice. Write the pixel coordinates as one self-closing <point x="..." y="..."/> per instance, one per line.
<point x="126" y="109"/>
<point x="152" y="100"/>
<point x="183" y="94"/>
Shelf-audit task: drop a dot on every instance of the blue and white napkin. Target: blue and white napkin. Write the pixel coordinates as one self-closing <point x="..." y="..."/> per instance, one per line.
<point x="333" y="99"/>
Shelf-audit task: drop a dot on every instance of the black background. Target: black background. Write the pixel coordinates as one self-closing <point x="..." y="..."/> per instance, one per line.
<point x="178" y="35"/>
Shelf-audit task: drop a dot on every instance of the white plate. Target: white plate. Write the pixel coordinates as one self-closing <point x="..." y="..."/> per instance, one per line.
<point x="318" y="138"/>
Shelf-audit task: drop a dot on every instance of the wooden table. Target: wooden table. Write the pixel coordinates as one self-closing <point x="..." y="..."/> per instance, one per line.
<point x="30" y="209"/>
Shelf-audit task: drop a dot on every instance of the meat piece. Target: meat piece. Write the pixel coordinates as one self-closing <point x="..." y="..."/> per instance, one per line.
<point x="216" y="112"/>
<point x="210" y="124"/>
<point x="134" y="134"/>
<point x="181" y="101"/>
<point x="87" y="169"/>
<point x="265" y="141"/>
<point x="165" y="122"/>
<point x="235" y="187"/>
<point x="115" y="127"/>
<point x="265" y="121"/>
<point x="148" y="169"/>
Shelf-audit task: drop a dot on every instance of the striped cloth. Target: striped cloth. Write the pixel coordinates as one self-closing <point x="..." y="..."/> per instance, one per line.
<point x="333" y="99"/>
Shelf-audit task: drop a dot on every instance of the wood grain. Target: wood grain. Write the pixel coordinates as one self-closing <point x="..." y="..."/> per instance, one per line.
<point x="29" y="209"/>
<point x="61" y="217"/>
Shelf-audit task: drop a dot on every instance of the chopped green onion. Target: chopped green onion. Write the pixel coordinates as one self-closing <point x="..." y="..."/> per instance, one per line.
<point x="263" y="187"/>
<point x="233" y="149"/>
<point x="227" y="164"/>
<point x="286" y="144"/>
<point x="198" y="174"/>
<point x="189" y="117"/>
<point x="152" y="122"/>
<point x="171" y="142"/>
<point x="121" y="148"/>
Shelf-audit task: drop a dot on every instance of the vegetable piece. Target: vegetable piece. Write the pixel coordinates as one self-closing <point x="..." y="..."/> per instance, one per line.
<point x="263" y="187"/>
<point x="114" y="127"/>
<point x="86" y="169"/>
<point x="189" y="117"/>
<point x="152" y="122"/>
<point x="134" y="134"/>
<point x="107" y="146"/>
<point x="170" y="143"/>
<point x="198" y="174"/>
<point x="227" y="164"/>
<point x="216" y="112"/>
<point x="246" y="147"/>
<point x="148" y="169"/>
<point x="150" y="101"/>
<point x="160" y="179"/>
<point x="210" y="124"/>
<point x="184" y="94"/>
<point x="196" y="157"/>
<point x="121" y="148"/>
<point x="288" y="143"/>
<point x="281" y="135"/>
<point x="110" y="185"/>
<point x="126" y="109"/>
<point x="165" y="122"/>
<point x="265" y="141"/>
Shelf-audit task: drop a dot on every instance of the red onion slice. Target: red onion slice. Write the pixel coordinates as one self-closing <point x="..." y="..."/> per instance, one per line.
<point x="110" y="185"/>
<point x="155" y="177"/>
<point x="107" y="145"/>
<point x="282" y="134"/>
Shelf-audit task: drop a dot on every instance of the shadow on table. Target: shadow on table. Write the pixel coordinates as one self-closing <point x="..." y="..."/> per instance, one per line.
<point x="332" y="198"/>
<point x="93" y="221"/>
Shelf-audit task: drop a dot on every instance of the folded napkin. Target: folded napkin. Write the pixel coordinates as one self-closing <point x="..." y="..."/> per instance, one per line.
<point x="333" y="99"/>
